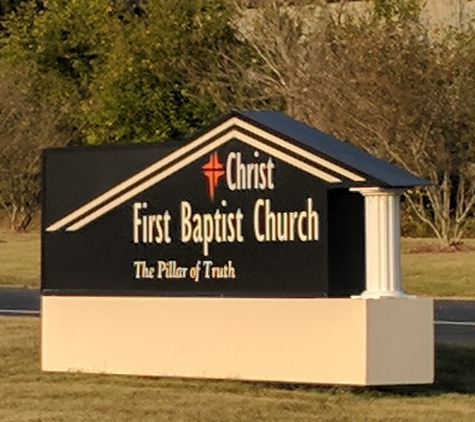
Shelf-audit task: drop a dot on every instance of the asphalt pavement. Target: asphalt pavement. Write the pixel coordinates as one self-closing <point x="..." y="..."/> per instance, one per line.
<point x="454" y="319"/>
<point x="19" y="301"/>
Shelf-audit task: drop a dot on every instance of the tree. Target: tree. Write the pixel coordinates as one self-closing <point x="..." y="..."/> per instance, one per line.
<point x="109" y="71"/>
<point x="64" y="40"/>
<point x="172" y="67"/>
<point x="27" y="126"/>
<point x="46" y="59"/>
<point x="133" y="70"/>
<point x="8" y="6"/>
<point x="381" y="80"/>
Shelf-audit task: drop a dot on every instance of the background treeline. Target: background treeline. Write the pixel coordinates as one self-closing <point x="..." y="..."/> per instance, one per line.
<point x="121" y="71"/>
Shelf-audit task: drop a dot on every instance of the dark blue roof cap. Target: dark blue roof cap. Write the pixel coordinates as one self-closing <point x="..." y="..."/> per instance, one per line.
<point x="384" y="174"/>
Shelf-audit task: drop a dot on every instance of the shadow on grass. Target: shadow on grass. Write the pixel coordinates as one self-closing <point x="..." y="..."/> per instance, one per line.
<point x="454" y="373"/>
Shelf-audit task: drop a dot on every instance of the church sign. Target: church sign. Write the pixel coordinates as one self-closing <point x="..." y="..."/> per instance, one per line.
<point x="236" y="212"/>
<point x="261" y="244"/>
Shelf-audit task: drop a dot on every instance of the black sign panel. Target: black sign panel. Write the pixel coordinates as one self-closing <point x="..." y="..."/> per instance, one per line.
<point x="234" y="222"/>
<point x="228" y="221"/>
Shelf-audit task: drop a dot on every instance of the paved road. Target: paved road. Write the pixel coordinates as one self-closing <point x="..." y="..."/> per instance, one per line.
<point x="454" y="319"/>
<point x="19" y="301"/>
<point x="455" y="310"/>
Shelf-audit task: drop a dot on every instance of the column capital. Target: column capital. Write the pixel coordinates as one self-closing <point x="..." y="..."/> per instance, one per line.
<point x="377" y="191"/>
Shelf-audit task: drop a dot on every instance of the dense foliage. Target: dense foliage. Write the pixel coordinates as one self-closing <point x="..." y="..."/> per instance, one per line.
<point x="121" y="71"/>
<point x="110" y="72"/>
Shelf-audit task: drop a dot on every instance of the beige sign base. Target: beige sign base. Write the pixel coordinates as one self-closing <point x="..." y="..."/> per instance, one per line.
<point x="326" y="341"/>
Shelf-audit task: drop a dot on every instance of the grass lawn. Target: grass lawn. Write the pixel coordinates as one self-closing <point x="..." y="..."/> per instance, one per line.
<point x="19" y="259"/>
<point x="449" y="274"/>
<point x="432" y="274"/>
<point x="26" y="394"/>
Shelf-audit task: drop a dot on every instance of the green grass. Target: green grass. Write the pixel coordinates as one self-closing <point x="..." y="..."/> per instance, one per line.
<point x="26" y="394"/>
<point x="432" y="274"/>
<point x="19" y="259"/>
<point x="438" y="274"/>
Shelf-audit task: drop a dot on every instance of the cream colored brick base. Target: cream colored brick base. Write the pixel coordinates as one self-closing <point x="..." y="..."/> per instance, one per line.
<point x="328" y="341"/>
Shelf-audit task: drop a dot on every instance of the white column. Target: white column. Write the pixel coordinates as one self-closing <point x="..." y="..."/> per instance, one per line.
<point x="383" y="243"/>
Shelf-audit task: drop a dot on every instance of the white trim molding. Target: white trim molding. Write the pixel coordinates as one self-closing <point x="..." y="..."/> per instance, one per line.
<point x="233" y="128"/>
<point x="383" y="242"/>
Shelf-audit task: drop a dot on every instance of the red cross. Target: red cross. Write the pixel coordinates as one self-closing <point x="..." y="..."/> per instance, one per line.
<point x="213" y="170"/>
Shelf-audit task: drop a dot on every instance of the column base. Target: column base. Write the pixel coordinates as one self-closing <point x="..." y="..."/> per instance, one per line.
<point x="367" y="294"/>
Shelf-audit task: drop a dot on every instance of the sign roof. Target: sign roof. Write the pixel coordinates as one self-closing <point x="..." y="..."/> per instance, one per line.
<point x="377" y="172"/>
<point x="323" y="156"/>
